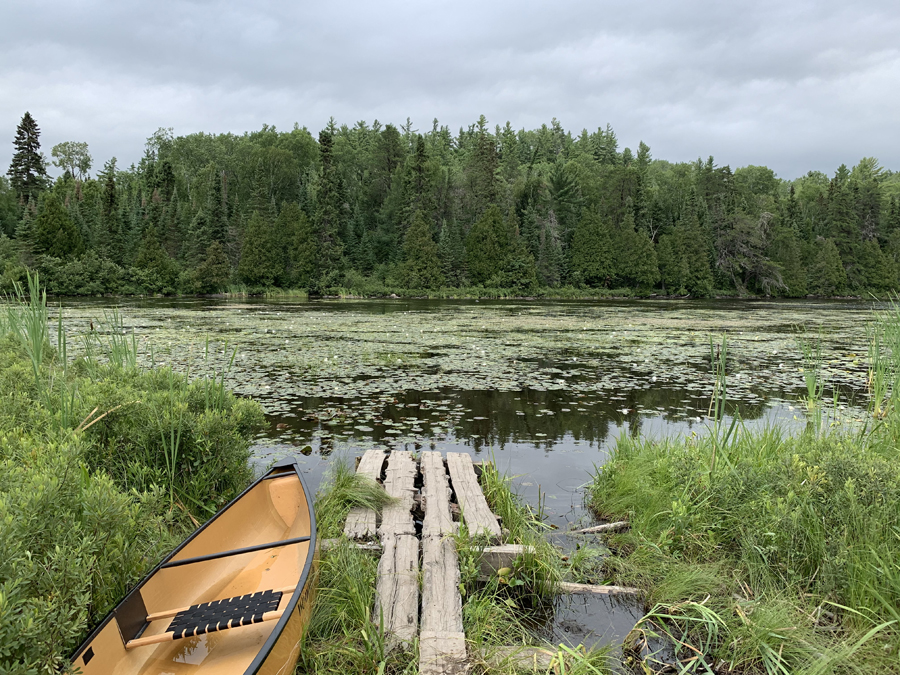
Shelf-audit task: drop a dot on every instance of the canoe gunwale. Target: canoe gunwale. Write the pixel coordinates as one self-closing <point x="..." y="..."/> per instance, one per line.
<point x="276" y="471"/>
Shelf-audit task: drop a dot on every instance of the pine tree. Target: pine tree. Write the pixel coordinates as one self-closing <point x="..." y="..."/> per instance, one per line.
<point x="54" y="232"/>
<point x="550" y="256"/>
<point x="421" y="265"/>
<point x="218" y="212"/>
<point x="153" y="269"/>
<point x="518" y="272"/>
<point x="843" y="228"/>
<point x="876" y="268"/>
<point x="27" y="172"/>
<point x="592" y="251"/>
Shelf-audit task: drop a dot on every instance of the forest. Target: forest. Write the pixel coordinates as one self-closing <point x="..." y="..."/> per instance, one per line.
<point x="380" y="209"/>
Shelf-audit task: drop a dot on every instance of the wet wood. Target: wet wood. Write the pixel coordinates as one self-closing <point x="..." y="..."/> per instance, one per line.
<point x="475" y="511"/>
<point x="442" y="644"/>
<point x="361" y="522"/>
<point x="606" y="527"/>
<point x="568" y="587"/>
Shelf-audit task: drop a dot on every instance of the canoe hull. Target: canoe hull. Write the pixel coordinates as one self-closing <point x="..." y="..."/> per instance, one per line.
<point x="263" y="540"/>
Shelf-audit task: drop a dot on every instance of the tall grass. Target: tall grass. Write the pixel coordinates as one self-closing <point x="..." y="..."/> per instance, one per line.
<point x="782" y="560"/>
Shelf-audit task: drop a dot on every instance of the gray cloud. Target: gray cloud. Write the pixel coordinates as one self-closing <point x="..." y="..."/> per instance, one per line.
<point x="794" y="85"/>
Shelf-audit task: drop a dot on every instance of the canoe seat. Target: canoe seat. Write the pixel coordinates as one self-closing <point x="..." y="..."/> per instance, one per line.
<point x="209" y="617"/>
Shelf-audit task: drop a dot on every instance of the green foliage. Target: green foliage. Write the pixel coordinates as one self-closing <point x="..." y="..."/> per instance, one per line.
<point x="27" y="173"/>
<point x="579" y="212"/>
<point x="262" y="258"/>
<point x="84" y="476"/>
<point x="421" y="264"/>
<point x="53" y="231"/>
<point x="741" y="563"/>
<point x="592" y="250"/>
<point x="827" y="275"/>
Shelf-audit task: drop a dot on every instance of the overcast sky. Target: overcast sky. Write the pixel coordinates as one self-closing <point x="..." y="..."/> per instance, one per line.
<point x="795" y="85"/>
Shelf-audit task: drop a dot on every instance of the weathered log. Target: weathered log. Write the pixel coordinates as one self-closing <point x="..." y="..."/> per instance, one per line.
<point x="606" y="527"/>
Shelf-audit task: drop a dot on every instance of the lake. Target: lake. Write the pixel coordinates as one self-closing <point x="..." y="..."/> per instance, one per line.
<point x="541" y="388"/>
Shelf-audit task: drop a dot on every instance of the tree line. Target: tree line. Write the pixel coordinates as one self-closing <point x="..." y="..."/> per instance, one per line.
<point x="370" y="208"/>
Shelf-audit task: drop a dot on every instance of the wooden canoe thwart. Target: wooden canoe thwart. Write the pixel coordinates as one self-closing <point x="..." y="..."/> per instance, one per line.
<point x="234" y="598"/>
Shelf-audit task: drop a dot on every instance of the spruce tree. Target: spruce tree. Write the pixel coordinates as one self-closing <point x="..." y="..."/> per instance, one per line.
<point x="550" y="256"/>
<point x="592" y="250"/>
<point x="421" y="265"/>
<point x="518" y="272"/>
<point x="876" y="268"/>
<point x="636" y="264"/>
<point x="54" y="232"/>
<point x="27" y="172"/>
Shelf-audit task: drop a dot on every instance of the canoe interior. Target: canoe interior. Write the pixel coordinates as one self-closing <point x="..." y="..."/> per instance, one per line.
<point x="273" y="509"/>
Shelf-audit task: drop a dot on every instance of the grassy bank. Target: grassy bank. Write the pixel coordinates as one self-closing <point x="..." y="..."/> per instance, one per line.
<point x="762" y="552"/>
<point x="104" y="468"/>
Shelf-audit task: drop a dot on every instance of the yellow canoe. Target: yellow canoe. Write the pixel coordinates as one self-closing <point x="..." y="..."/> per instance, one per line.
<point x="235" y="597"/>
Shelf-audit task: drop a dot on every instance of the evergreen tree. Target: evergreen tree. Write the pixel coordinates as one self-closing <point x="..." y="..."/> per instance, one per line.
<point x="672" y="266"/>
<point x="486" y="246"/>
<point x="518" y="272"/>
<point x="592" y="250"/>
<point x="876" y="269"/>
<point x="550" y="255"/>
<point x="635" y="257"/>
<point x="827" y="276"/>
<point x="27" y="172"/>
<point x="262" y="260"/>
<point x="218" y="211"/>
<point x="155" y="271"/>
<point x="421" y="265"/>
<point x="329" y="211"/>
<point x="786" y="251"/>
<point x="213" y="274"/>
<point x="452" y="252"/>
<point x="54" y="232"/>
<point x="843" y="228"/>
<point x="305" y="252"/>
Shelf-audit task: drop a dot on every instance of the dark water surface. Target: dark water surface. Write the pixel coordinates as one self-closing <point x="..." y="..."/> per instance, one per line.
<point x="543" y="389"/>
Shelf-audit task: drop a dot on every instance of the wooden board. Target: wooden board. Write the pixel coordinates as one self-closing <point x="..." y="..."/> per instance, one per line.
<point x="568" y="587"/>
<point x="361" y="522"/>
<point x="442" y="643"/>
<point x="495" y="558"/>
<point x="442" y="653"/>
<point x="435" y="496"/>
<point x="397" y="589"/>
<point x="399" y="483"/>
<point x="475" y="510"/>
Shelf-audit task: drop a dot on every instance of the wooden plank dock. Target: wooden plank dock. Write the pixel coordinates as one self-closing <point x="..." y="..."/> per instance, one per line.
<point x="450" y="491"/>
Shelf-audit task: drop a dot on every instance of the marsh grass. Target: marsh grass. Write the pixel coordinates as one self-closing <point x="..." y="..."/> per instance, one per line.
<point x="784" y="560"/>
<point x="342" y="490"/>
<point x="93" y="454"/>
